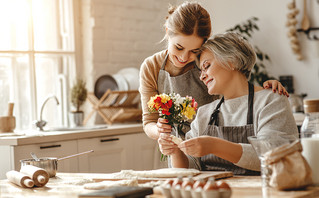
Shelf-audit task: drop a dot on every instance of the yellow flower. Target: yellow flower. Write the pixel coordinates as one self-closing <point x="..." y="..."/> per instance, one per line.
<point x="151" y="103"/>
<point x="189" y="112"/>
<point x="164" y="98"/>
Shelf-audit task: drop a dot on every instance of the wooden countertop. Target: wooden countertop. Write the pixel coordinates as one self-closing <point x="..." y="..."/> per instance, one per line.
<point x="34" y="137"/>
<point x="71" y="185"/>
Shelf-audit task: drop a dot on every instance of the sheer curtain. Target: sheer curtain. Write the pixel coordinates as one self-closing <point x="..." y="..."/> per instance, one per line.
<point x="37" y="55"/>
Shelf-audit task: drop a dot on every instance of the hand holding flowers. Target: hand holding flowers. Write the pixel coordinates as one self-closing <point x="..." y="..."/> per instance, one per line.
<point x="175" y="109"/>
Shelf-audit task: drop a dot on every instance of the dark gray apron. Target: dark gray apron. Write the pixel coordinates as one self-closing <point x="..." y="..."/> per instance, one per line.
<point x="187" y="84"/>
<point x="236" y="134"/>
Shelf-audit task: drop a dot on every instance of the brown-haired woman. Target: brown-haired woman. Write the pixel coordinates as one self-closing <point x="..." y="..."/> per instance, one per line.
<point x="173" y="70"/>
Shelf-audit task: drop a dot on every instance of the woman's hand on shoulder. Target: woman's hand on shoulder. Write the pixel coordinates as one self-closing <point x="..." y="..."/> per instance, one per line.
<point x="197" y="147"/>
<point x="274" y="85"/>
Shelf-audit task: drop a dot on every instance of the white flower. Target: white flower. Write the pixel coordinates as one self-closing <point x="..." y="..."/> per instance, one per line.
<point x="178" y="99"/>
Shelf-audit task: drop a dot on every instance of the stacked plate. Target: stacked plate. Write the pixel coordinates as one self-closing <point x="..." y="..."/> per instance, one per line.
<point x="126" y="79"/>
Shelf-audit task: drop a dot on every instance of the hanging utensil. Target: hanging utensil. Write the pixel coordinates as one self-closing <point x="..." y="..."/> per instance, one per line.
<point x="305" y="23"/>
<point x="62" y="158"/>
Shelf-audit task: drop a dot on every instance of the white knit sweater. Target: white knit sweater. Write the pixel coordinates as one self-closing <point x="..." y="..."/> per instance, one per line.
<point x="271" y="113"/>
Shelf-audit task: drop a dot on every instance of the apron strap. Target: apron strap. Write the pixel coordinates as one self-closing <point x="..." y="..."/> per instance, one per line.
<point x="250" y="114"/>
<point x="214" y="116"/>
<point x="164" y="62"/>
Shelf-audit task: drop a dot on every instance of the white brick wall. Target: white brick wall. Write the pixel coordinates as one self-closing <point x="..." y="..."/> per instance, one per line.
<point x="118" y="34"/>
<point x="123" y="33"/>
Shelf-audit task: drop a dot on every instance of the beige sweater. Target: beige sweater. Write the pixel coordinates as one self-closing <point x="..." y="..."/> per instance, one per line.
<point x="148" y="80"/>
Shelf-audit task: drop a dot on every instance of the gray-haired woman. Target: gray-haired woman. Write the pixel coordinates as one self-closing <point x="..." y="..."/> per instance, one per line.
<point x="218" y="136"/>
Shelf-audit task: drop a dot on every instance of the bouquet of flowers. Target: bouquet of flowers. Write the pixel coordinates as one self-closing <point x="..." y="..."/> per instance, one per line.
<point x="176" y="109"/>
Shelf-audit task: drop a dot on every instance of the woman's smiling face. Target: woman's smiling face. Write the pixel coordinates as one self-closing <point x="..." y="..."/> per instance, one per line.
<point x="182" y="49"/>
<point x="214" y="75"/>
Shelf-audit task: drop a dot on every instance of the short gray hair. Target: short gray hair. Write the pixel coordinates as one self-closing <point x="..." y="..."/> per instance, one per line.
<point x="232" y="49"/>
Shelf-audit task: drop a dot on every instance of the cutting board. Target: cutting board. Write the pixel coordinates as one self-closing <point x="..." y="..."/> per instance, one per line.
<point x="203" y="175"/>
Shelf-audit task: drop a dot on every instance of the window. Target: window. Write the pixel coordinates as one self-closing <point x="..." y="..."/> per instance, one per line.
<point x="37" y="58"/>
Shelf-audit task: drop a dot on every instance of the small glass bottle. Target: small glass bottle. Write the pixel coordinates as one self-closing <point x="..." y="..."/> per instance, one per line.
<point x="310" y="137"/>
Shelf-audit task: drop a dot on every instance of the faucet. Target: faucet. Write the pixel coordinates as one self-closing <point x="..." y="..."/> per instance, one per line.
<point x="41" y="123"/>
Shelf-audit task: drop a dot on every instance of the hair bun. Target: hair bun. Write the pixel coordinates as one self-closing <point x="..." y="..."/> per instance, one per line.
<point x="171" y="9"/>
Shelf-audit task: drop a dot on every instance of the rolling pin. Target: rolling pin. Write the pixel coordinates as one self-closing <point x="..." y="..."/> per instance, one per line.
<point x="8" y="123"/>
<point x="20" y="179"/>
<point x="38" y="175"/>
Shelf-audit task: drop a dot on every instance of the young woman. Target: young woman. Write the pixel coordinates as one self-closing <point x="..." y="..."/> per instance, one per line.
<point x="218" y="136"/>
<point x="173" y="70"/>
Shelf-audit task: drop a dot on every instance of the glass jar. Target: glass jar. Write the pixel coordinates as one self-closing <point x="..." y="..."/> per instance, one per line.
<point x="310" y="137"/>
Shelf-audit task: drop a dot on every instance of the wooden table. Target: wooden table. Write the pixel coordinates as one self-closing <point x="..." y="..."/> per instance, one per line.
<point x="70" y="185"/>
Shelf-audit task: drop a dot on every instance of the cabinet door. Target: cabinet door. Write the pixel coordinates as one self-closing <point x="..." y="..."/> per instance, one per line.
<point x="144" y="149"/>
<point x="52" y="149"/>
<point x="111" y="154"/>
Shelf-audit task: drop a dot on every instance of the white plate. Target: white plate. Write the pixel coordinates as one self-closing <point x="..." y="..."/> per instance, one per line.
<point x="131" y="75"/>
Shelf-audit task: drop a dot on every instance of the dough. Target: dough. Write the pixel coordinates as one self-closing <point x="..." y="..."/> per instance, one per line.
<point x="158" y="173"/>
<point x="176" y="140"/>
<point x="108" y="184"/>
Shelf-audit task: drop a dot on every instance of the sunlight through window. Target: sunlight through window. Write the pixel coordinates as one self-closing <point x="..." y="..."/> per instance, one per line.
<point x="36" y="51"/>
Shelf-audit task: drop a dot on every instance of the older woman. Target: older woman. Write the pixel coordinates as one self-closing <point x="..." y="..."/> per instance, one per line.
<point x="218" y="136"/>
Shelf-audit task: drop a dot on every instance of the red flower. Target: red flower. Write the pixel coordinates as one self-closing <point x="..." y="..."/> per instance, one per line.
<point x="194" y="104"/>
<point x="166" y="112"/>
<point x="158" y="100"/>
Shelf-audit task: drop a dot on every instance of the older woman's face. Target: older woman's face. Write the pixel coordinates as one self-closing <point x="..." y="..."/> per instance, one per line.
<point x="182" y="49"/>
<point x="215" y="76"/>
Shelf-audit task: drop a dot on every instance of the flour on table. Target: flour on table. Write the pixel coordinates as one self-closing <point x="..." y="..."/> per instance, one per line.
<point x="108" y="184"/>
<point x="158" y="173"/>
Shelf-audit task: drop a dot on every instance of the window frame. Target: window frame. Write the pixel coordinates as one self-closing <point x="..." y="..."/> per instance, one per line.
<point x="68" y="10"/>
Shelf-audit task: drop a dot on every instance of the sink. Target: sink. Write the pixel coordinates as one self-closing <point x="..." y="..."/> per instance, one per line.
<point x="78" y="128"/>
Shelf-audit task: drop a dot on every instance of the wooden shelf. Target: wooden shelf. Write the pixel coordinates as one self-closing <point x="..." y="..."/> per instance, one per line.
<point x="116" y="106"/>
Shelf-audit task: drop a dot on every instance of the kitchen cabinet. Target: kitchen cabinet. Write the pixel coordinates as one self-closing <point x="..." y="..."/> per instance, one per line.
<point x="115" y="148"/>
<point x="13" y="155"/>
<point x="115" y="153"/>
<point x="143" y="152"/>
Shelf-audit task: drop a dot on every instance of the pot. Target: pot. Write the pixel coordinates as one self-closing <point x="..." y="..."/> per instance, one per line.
<point x="50" y="164"/>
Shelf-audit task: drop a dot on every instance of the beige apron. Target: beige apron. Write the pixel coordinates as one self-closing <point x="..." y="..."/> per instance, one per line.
<point x="187" y="84"/>
<point x="237" y="134"/>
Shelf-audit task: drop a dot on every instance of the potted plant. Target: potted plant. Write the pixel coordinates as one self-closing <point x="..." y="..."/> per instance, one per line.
<point x="259" y="73"/>
<point x="78" y="97"/>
